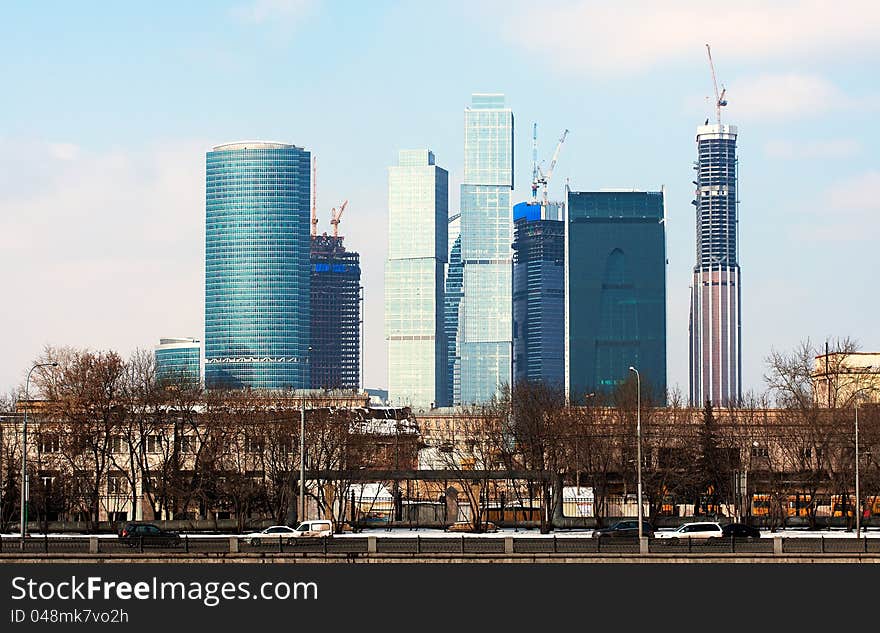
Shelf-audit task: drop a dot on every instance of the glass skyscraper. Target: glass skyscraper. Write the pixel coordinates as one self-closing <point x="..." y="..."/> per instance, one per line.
<point x="616" y="291"/>
<point x="715" y="320"/>
<point x="257" y="242"/>
<point x="539" y="293"/>
<point x="418" y="192"/>
<point x="452" y="301"/>
<point x="178" y="361"/>
<point x="485" y="322"/>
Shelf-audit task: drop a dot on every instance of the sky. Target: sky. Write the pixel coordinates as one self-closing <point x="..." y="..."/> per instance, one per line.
<point x="109" y="109"/>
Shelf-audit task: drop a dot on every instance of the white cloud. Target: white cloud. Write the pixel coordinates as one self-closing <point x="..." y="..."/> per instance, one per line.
<point x="830" y="148"/>
<point x="847" y="212"/>
<point x="633" y="36"/>
<point x="790" y="95"/>
<point x="63" y="151"/>
<point x="262" y="11"/>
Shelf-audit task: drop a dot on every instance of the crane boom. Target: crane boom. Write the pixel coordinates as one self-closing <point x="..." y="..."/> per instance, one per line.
<point x="719" y="98"/>
<point x="335" y="217"/>
<point x="535" y="171"/>
<point x="546" y="179"/>
<point x="314" y="197"/>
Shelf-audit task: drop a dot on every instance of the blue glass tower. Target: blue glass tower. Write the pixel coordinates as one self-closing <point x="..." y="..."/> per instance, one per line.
<point x="538" y="293"/>
<point x="178" y="361"/>
<point x="452" y="301"/>
<point x="257" y="242"/>
<point x="616" y="291"/>
<point x="485" y="321"/>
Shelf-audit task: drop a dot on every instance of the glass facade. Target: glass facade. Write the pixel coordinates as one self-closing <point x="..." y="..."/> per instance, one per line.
<point x="452" y="301"/>
<point x="178" y="361"/>
<point x="485" y="321"/>
<point x="336" y="315"/>
<point x="257" y="241"/>
<point x="538" y="293"/>
<point x="418" y="193"/>
<point x="616" y="281"/>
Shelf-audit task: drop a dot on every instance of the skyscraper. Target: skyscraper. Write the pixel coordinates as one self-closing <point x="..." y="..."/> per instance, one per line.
<point x="257" y="246"/>
<point x="418" y="192"/>
<point x="615" y="291"/>
<point x="336" y="316"/>
<point x="452" y="300"/>
<point x="539" y="293"/>
<point x="715" y="321"/>
<point x="485" y="321"/>
<point x="178" y="361"/>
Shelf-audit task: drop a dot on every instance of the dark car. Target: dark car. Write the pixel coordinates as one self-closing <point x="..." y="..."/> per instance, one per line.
<point x="148" y="535"/>
<point x="740" y="530"/>
<point x="626" y="528"/>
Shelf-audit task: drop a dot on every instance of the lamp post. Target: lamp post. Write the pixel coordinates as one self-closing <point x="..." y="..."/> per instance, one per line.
<point x="24" y="486"/>
<point x="302" y="450"/>
<point x="858" y="502"/>
<point x="639" y="443"/>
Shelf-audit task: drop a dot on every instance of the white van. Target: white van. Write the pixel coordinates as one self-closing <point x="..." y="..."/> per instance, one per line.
<point x="316" y="528"/>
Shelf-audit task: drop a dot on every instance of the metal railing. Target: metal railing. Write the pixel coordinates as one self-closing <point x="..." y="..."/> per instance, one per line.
<point x="451" y="545"/>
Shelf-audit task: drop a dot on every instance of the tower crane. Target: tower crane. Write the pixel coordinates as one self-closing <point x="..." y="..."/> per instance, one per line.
<point x="335" y="217"/>
<point x="314" y="197"/>
<point x="535" y="170"/>
<point x="719" y="98"/>
<point x="543" y="179"/>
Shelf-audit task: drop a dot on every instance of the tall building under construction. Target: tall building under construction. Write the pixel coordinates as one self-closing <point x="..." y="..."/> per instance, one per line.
<point x="335" y="315"/>
<point x="715" y="321"/>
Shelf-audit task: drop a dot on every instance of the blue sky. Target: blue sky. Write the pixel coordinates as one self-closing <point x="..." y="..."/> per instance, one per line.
<point x="109" y="108"/>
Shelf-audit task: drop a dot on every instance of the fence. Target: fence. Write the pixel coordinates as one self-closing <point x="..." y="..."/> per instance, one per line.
<point x="463" y="545"/>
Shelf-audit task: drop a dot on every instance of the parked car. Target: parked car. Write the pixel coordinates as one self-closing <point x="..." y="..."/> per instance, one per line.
<point x="270" y="534"/>
<point x="467" y="526"/>
<point x="740" y="530"/>
<point x="625" y="528"/>
<point x="148" y="535"/>
<point x="314" y="529"/>
<point x="702" y="530"/>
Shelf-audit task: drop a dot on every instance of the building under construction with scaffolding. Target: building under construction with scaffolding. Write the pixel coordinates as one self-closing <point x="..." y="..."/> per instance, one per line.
<point x="335" y="314"/>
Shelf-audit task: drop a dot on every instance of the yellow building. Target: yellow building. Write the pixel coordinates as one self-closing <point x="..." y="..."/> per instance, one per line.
<point x="842" y="378"/>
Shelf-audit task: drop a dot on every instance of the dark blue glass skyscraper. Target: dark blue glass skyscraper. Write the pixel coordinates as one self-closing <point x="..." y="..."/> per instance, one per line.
<point x="539" y="293"/>
<point x="257" y="242"/>
<point x="616" y="291"/>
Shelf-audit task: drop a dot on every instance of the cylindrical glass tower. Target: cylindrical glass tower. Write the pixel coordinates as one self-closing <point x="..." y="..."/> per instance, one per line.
<point x="257" y="266"/>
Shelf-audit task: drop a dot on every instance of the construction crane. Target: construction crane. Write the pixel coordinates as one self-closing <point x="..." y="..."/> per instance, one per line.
<point x="335" y="217"/>
<point x="719" y="98"/>
<point x="535" y="170"/>
<point x="541" y="178"/>
<point x="314" y="197"/>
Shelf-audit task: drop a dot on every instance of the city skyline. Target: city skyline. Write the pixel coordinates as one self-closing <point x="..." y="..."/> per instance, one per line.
<point x="107" y="215"/>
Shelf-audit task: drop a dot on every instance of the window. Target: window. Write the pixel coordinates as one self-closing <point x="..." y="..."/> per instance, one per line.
<point x="253" y="445"/>
<point x="48" y="443"/>
<point x="187" y="444"/>
<point x="116" y="484"/>
<point x="154" y="444"/>
<point x="115" y="444"/>
<point x="760" y="451"/>
<point x="806" y="453"/>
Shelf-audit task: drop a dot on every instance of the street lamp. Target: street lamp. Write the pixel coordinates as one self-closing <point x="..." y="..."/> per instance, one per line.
<point x="24" y="486"/>
<point x="302" y="449"/>
<point x="858" y="502"/>
<point x="639" y="442"/>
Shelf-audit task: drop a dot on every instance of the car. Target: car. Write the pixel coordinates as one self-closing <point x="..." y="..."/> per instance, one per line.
<point x="625" y="528"/>
<point x="740" y="530"/>
<point x="467" y="526"/>
<point x="307" y="529"/>
<point x="270" y="534"/>
<point x="700" y="530"/>
<point x="148" y="535"/>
